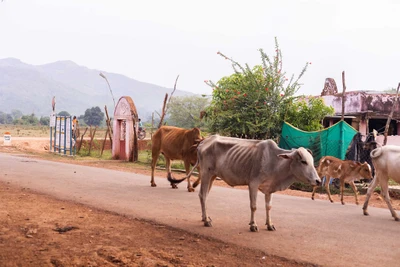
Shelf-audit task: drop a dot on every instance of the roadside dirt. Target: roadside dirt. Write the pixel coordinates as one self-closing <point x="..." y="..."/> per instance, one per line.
<point x="38" y="230"/>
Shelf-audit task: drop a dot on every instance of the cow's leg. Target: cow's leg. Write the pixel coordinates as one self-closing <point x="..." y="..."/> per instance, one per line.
<point x="353" y="186"/>
<point x="187" y="168"/>
<point x="315" y="187"/>
<point x="253" y="190"/>
<point x="341" y="190"/>
<point x="313" y="191"/>
<point x="371" y="189"/>
<point x="204" y="190"/>
<point x="169" y="172"/>
<point x="155" y="155"/>
<point x="328" y="191"/>
<point x="268" y="206"/>
<point x="196" y="183"/>
<point x="385" y="194"/>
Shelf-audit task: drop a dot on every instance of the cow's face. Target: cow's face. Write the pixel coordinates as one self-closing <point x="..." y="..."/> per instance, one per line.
<point x="196" y="135"/>
<point x="365" y="171"/>
<point x="302" y="166"/>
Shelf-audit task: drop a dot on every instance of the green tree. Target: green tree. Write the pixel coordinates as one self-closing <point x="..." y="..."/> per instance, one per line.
<point x="185" y="111"/>
<point x="63" y="113"/>
<point x="27" y="120"/>
<point x="45" y="121"/>
<point x="16" y="114"/>
<point x="306" y="113"/>
<point x="5" y="118"/>
<point x="252" y="102"/>
<point x="93" y="116"/>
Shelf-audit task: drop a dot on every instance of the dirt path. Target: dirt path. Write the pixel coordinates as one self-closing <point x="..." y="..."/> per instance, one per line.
<point x="38" y="230"/>
<point x="96" y="238"/>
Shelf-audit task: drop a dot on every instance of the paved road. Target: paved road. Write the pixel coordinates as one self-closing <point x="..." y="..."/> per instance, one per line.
<point x="313" y="231"/>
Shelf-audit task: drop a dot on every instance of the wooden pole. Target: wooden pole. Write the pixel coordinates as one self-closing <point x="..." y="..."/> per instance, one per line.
<point x="80" y="144"/>
<point x="343" y="94"/>
<point x="390" y="116"/>
<point x="104" y="143"/>
<point x="152" y="126"/>
<point x="163" y="111"/>
<point x="109" y="126"/>
<point x="165" y="106"/>
<point x="91" y="138"/>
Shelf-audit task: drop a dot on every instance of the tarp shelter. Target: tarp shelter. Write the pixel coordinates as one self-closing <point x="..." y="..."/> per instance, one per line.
<point x="332" y="141"/>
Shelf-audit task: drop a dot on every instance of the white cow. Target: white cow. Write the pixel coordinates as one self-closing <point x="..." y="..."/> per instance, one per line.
<point x="386" y="160"/>
<point x="261" y="165"/>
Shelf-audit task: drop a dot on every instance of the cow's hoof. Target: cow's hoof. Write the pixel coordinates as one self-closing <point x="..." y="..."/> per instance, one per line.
<point x="365" y="212"/>
<point x="174" y="186"/>
<point x="331" y="201"/>
<point x="357" y="203"/>
<point x="312" y="198"/>
<point x="254" y="228"/>
<point x="271" y="228"/>
<point x="208" y="224"/>
<point x="396" y="219"/>
<point x="190" y="189"/>
<point x="343" y="203"/>
<point x="153" y="185"/>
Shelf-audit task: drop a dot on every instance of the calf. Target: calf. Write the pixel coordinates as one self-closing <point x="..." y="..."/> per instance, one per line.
<point x="386" y="160"/>
<point x="261" y="165"/>
<point x="346" y="170"/>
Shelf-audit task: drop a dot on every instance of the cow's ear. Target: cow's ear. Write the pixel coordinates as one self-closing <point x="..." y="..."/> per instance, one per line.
<point x="292" y="155"/>
<point x="309" y="151"/>
<point x="284" y="156"/>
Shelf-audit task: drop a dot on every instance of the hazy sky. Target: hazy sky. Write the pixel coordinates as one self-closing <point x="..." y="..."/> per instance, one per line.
<point x="155" y="40"/>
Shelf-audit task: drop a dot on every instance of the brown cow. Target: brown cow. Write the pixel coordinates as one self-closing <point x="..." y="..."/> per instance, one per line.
<point x="346" y="170"/>
<point x="175" y="144"/>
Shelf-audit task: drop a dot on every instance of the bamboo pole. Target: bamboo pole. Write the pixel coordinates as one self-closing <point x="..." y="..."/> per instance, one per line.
<point x="109" y="126"/>
<point x="104" y="143"/>
<point x="343" y="94"/>
<point x="91" y="137"/>
<point x="391" y="115"/>
<point x="80" y="144"/>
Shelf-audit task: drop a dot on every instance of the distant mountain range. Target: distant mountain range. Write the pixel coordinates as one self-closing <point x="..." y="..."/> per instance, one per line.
<point x="30" y="89"/>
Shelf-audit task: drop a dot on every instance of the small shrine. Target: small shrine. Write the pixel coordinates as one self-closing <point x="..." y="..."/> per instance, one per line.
<point x="125" y="125"/>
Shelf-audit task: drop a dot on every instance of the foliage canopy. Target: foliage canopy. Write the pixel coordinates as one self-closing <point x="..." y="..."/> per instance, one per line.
<point x="253" y="102"/>
<point x="93" y="116"/>
<point x="185" y="111"/>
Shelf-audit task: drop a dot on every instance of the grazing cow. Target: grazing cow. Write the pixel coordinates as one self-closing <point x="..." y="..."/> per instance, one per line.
<point x="386" y="160"/>
<point x="346" y="170"/>
<point x="175" y="144"/>
<point x="261" y="165"/>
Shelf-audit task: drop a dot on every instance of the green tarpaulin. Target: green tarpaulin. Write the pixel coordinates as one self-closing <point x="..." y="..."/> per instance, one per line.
<point x="332" y="141"/>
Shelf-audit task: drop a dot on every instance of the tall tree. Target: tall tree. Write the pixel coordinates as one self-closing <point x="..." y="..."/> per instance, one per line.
<point x="45" y="121"/>
<point x="252" y="102"/>
<point x="306" y="113"/>
<point x="63" y="113"/>
<point x="185" y="111"/>
<point x="94" y="116"/>
<point x="16" y="114"/>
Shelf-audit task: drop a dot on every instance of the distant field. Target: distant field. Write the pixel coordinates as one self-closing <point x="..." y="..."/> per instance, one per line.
<point x="41" y="131"/>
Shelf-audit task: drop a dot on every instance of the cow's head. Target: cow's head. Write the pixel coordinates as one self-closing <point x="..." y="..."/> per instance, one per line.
<point x="195" y="136"/>
<point x="370" y="145"/>
<point x="302" y="165"/>
<point x="365" y="171"/>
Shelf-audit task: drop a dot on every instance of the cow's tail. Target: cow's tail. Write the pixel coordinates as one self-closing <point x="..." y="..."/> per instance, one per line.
<point x="177" y="181"/>
<point x="376" y="152"/>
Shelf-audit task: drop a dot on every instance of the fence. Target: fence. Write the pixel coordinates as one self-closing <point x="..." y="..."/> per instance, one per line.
<point x="61" y="138"/>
